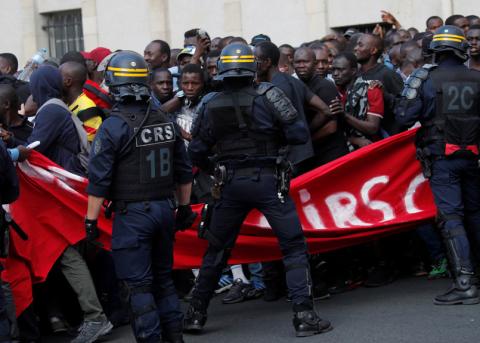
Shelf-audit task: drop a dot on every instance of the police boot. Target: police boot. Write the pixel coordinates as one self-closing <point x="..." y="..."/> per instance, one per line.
<point x="461" y="292"/>
<point x="195" y="318"/>
<point x="307" y="322"/>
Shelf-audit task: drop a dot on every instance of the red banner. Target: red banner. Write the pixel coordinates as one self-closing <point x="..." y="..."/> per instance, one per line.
<point x="375" y="191"/>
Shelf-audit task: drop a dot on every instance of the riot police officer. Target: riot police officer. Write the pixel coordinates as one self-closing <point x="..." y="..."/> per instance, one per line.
<point x="138" y="161"/>
<point x="445" y="98"/>
<point x="243" y="130"/>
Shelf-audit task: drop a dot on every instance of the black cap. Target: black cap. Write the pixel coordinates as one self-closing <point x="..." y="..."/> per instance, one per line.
<point x="259" y="39"/>
<point x="350" y="32"/>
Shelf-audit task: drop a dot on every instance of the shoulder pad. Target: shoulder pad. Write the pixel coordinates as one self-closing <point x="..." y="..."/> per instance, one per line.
<point x="415" y="81"/>
<point x="284" y="108"/>
<point x="263" y="87"/>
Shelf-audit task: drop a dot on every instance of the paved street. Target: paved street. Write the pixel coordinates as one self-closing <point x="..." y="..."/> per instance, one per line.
<point x="400" y="312"/>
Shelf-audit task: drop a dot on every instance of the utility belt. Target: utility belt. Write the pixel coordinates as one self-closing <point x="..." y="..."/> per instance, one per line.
<point x="120" y="206"/>
<point x="280" y="167"/>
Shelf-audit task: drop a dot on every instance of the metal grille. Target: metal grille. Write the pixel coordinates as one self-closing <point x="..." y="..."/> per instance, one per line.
<point x="65" y="32"/>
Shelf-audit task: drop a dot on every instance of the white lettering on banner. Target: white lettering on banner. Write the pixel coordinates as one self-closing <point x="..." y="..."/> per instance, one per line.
<point x="263" y="222"/>
<point x="310" y="211"/>
<point x="344" y="213"/>
<point x="412" y="188"/>
<point x="377" y="204"/>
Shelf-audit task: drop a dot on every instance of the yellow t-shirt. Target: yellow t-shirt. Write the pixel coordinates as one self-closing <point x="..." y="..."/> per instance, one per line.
<point x="81" y="104"/>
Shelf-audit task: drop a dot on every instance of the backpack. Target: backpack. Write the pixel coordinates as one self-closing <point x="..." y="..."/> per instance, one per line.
<point x="84" y="154"/>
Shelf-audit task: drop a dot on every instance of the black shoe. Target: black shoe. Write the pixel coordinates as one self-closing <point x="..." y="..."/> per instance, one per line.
<point x="307" y="323"/>
<point x="458" y="296"/>
<point x="194" y="320"/>
<point x="239" y="292"/>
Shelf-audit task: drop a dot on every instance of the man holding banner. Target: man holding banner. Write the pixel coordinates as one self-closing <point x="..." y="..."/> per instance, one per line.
<point x="446" y="100"/>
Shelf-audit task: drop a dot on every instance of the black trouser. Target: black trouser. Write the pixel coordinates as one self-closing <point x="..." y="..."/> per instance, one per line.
<point x="241" y="194"/>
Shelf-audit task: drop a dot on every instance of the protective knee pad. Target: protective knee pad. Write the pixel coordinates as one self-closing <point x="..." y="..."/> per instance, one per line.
<point x="143" y="310"/>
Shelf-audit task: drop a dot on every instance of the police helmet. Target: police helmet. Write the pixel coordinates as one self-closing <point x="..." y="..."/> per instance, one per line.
<point x="126" y="75"/>
<point x="450" y="38"/>
<point x="236" y="60"/>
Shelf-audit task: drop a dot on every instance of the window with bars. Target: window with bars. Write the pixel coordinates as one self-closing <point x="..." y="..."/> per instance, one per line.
<point x="65" y="32"/>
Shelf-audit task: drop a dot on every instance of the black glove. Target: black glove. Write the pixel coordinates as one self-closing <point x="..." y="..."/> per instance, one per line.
<point x="91" y="229"/>
<point x="184" y="218"/>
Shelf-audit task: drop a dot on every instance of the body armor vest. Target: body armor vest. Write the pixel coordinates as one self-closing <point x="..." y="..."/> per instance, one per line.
<point x="145" y="169"/>
<point x="230" y="115"/>
<point x="456" y="123"/>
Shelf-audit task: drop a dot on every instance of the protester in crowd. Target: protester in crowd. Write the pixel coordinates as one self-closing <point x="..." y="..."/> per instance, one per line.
<point x="8" y="64"/>
<point x="361" y="103"/>
<point x="260" y="38"/>
<point x="367" y="51"/>
<point x="192" y="85"/>
<point x="173" y="57"/>
<point x="214" y="44"/>
<point x="54" y="128"/>
<point x="73" y="56"/>
<point x="473" y="19"/>
<point x="473" y="38"/>
<point x="157" y="54"/>
<point x="144" y="225"/>
<point x="74" y="76"/>
<point x="267" y="55"/>
<point x="447" y="148"/>
<point x="14" y="128"/>
<point x="8" y="69"/>
<point x="288" y="51"/>
<point x="285" y="66"/>
<point x="161" y="84"/>
<point x="93" y="60"/>
<point x="329" y="142"/>
<point x="59" y="141"/>
<point x="459" y="21"/>
<point x="433" y="23"/>
<point x="212" y="59"/>
<point x="321" y="57"/>
<point x="184" y="57"/>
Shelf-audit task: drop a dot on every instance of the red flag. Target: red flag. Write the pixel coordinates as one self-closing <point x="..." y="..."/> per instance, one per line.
<point x="375" y="191"/>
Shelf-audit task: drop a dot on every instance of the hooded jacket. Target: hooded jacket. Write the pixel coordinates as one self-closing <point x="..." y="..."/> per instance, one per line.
<point x="53" y="127"/>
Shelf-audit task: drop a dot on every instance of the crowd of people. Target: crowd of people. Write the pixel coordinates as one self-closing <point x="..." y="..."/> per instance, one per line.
<point x="331" y="96"/>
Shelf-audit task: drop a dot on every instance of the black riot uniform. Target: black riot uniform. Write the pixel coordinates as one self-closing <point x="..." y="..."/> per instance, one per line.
<point x="243" y="130"/>
<point x="445" y="98"/>
<point x="137" y="159"/>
